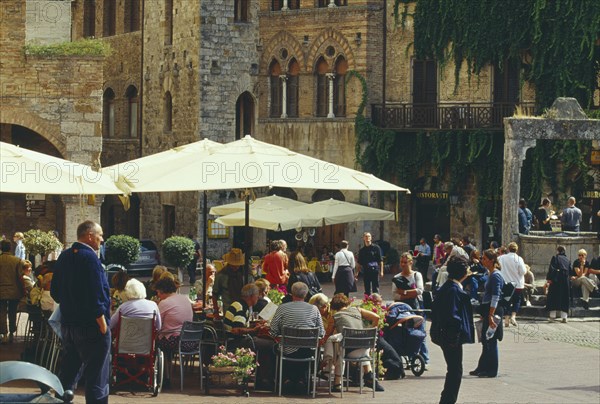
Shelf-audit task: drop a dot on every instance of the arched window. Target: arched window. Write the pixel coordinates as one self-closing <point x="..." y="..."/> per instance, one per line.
<point x="327" y="3"/>
<point x="244" y="115"/>
<point x="132" y="15"/>
<point x="322" y="69"/>
<point x="89" y="18"/>
<point x="168" y="113"/>
<point x="339" y="87"/>
<point x="168" y="22"/>
<point x="109" y="18"/>
<point x="132" y="111"/>
<point x="276" y="89"/>
<point x="240" y="10"/>
<point x="108" y="113"/>
<point x="292" y="89"/>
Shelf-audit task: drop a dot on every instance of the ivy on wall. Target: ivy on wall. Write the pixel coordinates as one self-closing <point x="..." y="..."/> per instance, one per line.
<point x="556" y="41"/>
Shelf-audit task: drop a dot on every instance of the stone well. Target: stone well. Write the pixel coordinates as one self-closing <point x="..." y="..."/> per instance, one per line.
<point x="538" y="247"/>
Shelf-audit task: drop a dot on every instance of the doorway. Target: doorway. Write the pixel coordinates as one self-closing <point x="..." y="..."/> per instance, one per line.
<point x="433" y="217"/>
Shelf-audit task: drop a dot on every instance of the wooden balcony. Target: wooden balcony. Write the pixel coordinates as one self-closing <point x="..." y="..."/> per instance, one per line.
<point x="404" y="116"/>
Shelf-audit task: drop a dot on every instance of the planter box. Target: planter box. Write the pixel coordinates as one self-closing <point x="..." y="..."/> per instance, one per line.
<point x="221" y="376"/>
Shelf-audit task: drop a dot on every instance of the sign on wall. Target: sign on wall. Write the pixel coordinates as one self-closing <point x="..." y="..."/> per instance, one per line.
<point x="35" y="205"/>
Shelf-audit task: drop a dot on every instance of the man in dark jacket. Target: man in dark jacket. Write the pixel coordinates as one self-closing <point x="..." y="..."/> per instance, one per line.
<point x="11" y="291"/>
<point x="80" y="286"/>
<point x="453" y="316"/>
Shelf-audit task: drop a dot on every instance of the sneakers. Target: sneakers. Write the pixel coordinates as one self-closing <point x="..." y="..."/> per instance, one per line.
<point x="513" y="321"/>
<point x="474" y="302"/>
<point x="564" y="320"/>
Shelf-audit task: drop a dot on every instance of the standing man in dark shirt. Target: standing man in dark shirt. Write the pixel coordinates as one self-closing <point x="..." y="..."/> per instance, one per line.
<point x="370" y="262"/>
<point x="192" y="265"/>
<point x="570" y="217"/>
<point x="80" y="286"/>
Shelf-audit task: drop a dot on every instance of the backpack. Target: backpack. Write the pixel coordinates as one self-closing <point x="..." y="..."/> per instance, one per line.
<point x="508" y="289"/>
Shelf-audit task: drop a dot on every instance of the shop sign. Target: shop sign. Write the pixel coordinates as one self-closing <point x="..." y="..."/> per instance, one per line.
<point x="432" y="195"/>
<point x="591" y="194"/>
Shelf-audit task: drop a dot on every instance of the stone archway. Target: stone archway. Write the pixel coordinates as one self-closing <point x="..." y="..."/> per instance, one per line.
<point x="569" y="122"/>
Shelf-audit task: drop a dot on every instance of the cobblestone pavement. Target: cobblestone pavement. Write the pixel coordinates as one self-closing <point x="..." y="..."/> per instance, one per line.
<point x="539" y="363"/>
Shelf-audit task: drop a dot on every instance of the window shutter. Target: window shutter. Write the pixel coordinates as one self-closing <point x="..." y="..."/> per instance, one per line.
<point x="321" y="95"/>
<point x="292" y="96"/>
<point x="275" y="97"/>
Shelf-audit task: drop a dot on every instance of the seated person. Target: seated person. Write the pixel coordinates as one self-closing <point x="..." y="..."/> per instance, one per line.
<point x="322" y="302"/>
<point x="477" y="277"/>
<point x="118" y="282"/>
<point x="347" y="316"/>
<point x="27" y="282"/>
<point x="298" y="314"/>
<point x="529" y="285"/>
<point x="237" y="325"/>
<point x="136" y="305"/>
<point x="580" y="279"/>
<point x="156" y="273"/>
<point x="263" y="289"/>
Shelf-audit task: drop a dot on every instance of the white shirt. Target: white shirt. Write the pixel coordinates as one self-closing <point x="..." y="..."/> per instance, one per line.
<point x="343" y="258"/>
<point x="512" y="269"/>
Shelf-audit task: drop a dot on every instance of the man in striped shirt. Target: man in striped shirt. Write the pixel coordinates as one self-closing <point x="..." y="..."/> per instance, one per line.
<point x="297" y="314"/>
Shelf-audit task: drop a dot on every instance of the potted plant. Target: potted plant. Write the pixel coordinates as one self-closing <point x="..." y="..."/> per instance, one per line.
<point x="392" y="259"/>
<point x="39" y="242"/>
<point x="178" y="252"/>
<point x="121" y="250"/>
<point x="230" y="368"/>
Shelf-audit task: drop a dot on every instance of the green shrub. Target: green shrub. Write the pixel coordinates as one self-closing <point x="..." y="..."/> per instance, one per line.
<point x="84" y="47"/>
<point x="178" y="251"/>
<point x="122" y="250"/>
<point x="40" y="242"/>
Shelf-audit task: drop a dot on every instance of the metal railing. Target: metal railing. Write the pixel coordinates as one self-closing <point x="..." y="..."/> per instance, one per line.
<point x="456" y="115"/>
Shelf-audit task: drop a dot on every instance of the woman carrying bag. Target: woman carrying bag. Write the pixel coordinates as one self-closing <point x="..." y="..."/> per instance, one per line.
<point x="343" y="270"/>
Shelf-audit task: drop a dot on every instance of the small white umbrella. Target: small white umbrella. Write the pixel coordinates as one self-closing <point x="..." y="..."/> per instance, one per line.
<point x="271" y="219"/>
<point x="27" y="171"/>
<point x="271" y="202"/>
<point x="332" y="211"/>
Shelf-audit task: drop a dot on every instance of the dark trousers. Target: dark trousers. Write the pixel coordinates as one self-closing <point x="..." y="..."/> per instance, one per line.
<point x="192" y="272"/>
<point x="515" y="302"/>
<point x="85" y="345"/>
<point x="391" y="360"/>
<point x="488" y="361"/>
<point x="371" y="281"/>
<point x="454" y="369"/>
<point x="8" y="308"/>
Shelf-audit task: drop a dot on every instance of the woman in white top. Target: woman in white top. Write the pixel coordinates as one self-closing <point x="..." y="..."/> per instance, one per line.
<point x="512" y="269"/>
<point x="343" y="270"/>
<point x="407" y="286"/>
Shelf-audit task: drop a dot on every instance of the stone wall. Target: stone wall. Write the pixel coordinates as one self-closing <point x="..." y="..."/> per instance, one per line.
<point x="58" y="98"/>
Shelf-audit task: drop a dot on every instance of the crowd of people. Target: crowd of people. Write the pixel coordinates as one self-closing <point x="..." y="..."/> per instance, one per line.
<point x="463" y="280"/>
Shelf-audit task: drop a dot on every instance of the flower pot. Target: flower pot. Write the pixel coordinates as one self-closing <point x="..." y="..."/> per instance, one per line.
<point x="221" y="376"/>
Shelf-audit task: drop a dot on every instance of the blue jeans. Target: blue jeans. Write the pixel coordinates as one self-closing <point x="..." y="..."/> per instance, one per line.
<point x="84" y="345"/>
<point x="475" y="281"/>
<point x="515" y="302"/>
<point x="424" y="350"/>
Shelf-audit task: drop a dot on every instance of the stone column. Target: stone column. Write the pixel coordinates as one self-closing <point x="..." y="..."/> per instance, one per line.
<point x="514" y="154"/>
<point x="331" y="3"/>
<point x="285" y="5"/>
<point x="283" y="78"/>
<point x="78" y="209"/>
<point x="330" y="77"/>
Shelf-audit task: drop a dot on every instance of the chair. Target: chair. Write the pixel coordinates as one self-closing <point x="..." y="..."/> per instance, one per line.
<point x="299" y="338"/>
<point x="354" y="338"/>
<point x="135" y="354"/>
<point x="190" y="344"/>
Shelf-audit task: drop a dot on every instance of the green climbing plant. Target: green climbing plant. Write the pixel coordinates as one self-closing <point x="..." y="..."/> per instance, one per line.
<point x="556" y="41"/>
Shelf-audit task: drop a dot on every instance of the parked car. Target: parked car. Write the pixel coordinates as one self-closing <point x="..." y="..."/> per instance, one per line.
<point x="149" y="257"/>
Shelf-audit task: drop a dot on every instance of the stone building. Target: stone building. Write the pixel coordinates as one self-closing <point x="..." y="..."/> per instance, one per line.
<point x="282" y="71"/>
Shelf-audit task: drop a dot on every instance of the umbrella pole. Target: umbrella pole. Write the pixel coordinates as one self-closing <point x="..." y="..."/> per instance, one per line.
<point x="204" y="245"/>
<point x="246" y="235"/>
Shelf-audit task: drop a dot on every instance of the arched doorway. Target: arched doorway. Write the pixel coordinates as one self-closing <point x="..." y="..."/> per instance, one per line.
<point x="244" y="115"/>
<point x="22" y="212"/>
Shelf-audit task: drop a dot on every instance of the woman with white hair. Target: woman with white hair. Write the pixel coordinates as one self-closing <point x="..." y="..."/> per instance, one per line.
<point x="136" y="305"/>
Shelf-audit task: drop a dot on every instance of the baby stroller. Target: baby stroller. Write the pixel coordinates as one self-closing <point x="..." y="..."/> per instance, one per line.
<point x="406" y="332"/>
<point x="136" y="358"/>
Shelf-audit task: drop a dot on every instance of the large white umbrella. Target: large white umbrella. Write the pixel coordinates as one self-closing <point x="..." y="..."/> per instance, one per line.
<point x="332" y="211"/>
<point x="271" y="202"/>
<point x="27" y="171"/>
<point x="244" y="163"/>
